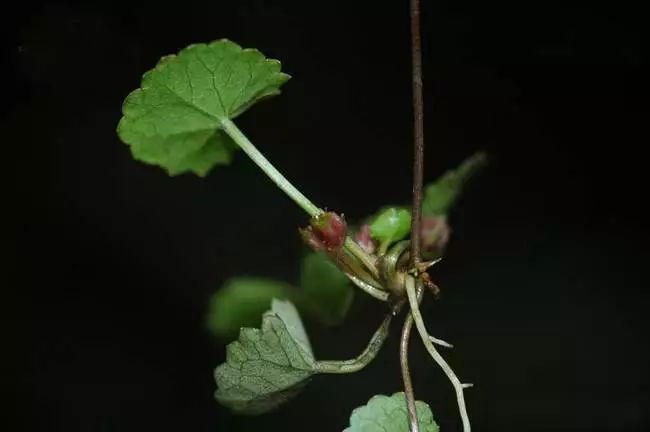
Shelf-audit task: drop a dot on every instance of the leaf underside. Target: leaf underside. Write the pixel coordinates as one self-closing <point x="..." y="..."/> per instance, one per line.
<point x="174" y="119"/>
<point x="440" y="196"/>
<point x="267" y="366"/>
<point x="389" y="414"/>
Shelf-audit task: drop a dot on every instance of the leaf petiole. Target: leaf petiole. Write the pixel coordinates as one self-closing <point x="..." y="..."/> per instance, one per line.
<point x="358" y="363"/>
<point x="263" y="163"/>
<point x="285" y="185"/>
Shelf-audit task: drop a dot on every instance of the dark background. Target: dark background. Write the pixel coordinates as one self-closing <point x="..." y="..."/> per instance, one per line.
<point x="112" y="262"/>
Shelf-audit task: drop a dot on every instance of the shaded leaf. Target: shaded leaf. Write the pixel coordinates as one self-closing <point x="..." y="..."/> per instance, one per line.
<point x="389" y="414"/>
<point x="266" y="367"/>
<point x="241" y="302"/>
<point x="173" y="119"/>
<point x="441" y="194"/>
<point x="326" y="289"/>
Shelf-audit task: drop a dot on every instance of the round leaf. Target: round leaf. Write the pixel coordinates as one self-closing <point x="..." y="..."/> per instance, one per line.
<point x="264" y="368"/>
<point x="173" y="119"/>
<point x="389" y="414"/>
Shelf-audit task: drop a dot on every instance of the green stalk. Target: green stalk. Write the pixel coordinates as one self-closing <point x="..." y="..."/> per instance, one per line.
<point x="312" y="210"/>
<point x="244" y="143"/>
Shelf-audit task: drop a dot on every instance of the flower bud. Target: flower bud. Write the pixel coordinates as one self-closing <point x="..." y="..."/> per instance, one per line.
<point x="327" y="231"/>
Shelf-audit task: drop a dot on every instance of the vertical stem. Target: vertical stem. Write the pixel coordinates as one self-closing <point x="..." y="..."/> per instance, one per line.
<point x="418" y="157"/>
<point x="409" y="393"/>
<point x="418" y="133"/>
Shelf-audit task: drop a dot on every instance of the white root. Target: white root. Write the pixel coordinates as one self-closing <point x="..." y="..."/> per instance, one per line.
<point x="426" y="339"/>
<point x="440" y="342"/>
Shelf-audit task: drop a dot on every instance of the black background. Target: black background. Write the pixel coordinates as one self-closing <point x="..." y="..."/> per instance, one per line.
<point x="112" y="262"/>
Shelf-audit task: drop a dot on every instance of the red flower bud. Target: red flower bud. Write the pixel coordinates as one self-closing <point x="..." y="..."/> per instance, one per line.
<point x="327" y="231"/>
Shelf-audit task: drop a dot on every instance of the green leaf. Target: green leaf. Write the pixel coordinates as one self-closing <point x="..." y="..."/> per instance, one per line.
<point x="389" y="414"/>
<point x="241" y="302"/>
<point x="266" y="367"/>
<point x="440" y="195"/>
<point x="326" y="289"/>
<point x="173" y="119"/>
<point x="390" y="225"/>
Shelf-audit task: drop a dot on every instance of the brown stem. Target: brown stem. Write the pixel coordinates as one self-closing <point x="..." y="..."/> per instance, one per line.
<point x="406" y="374"/>
<point x="418" y="162"/>
<point x="418" y="133"/>
<point x="409" y="393"/>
